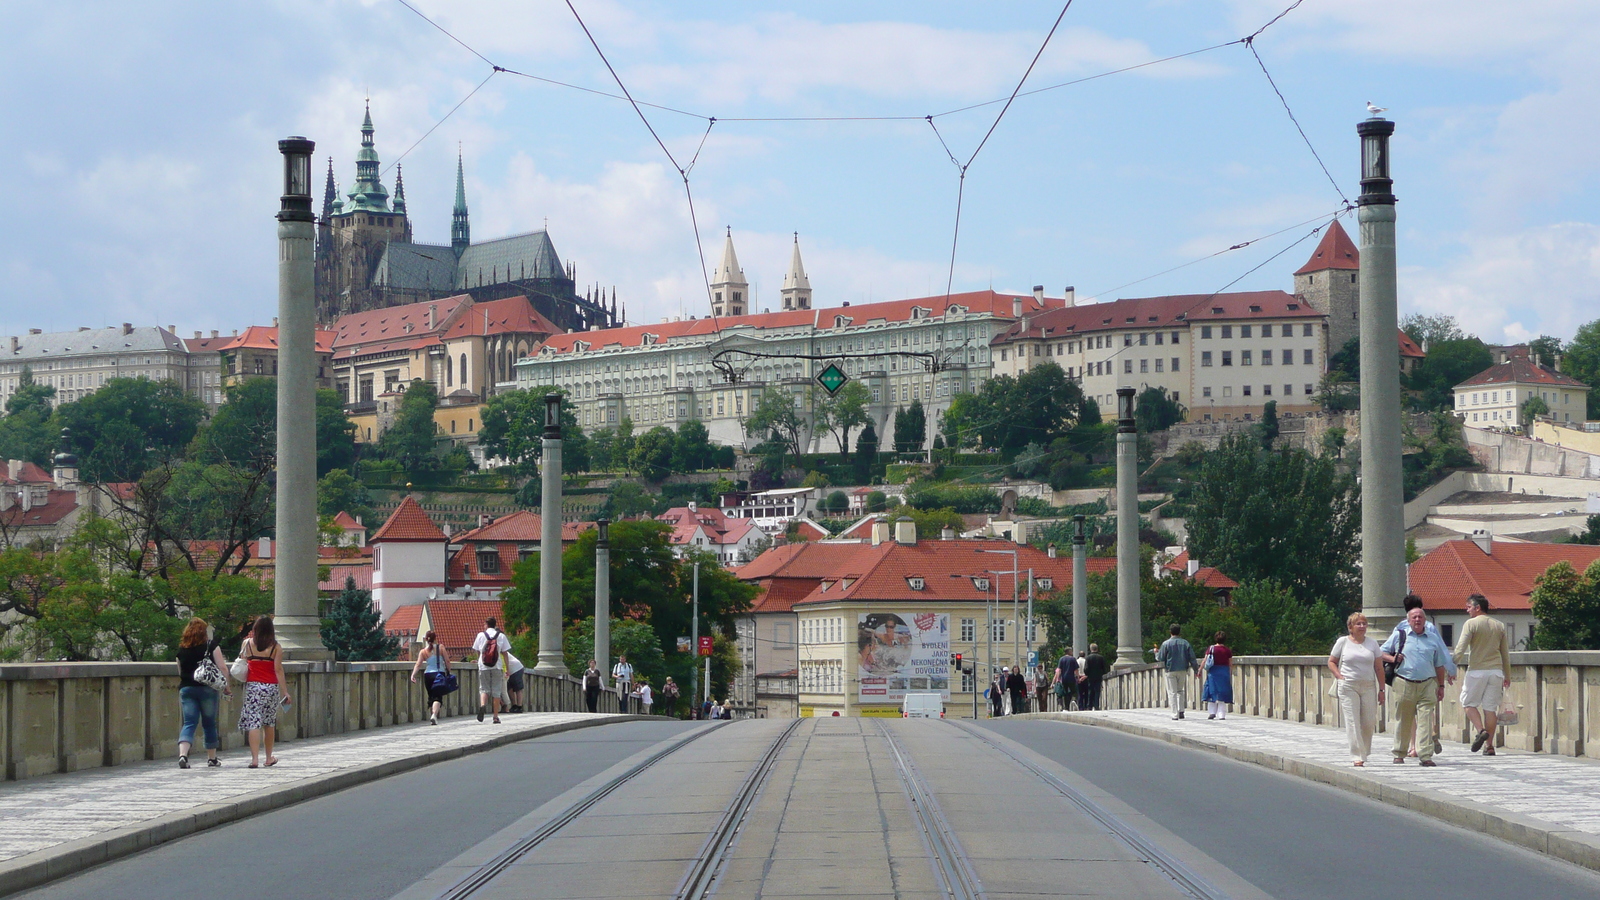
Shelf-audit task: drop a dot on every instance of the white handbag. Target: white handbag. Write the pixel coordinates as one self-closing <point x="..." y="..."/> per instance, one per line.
<point x="240" y="670"/>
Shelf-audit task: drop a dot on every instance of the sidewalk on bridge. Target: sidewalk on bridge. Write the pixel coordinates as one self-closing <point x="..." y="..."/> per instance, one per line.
<point x="1544" y="802"/>
<point x="59" y="824"/>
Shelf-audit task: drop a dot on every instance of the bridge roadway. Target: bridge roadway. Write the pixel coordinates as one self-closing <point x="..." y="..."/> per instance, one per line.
<point x="838" y="808"/>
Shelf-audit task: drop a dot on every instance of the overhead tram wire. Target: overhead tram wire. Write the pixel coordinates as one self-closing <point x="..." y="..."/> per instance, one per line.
<point x="463" y="101"/>
<point x="1251" y="44"/>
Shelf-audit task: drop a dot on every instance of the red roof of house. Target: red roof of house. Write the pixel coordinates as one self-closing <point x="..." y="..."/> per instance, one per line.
<point x="404" y="621"/>
<point x="338" y="573"/>
<point x="1409" y="348"/>
<point x="1157" y="312"/>
<point x="987" y="302"/>
<point x="506" y="536"/>
<point x="57" y="506"/>
<point x="408" y="522"/>
<point x="720" y="529"/>
<point x="521" y="525"/>
<point x="198" y="344"/>
<point x="1449" y="573"/>
<point x="947" y="569"/>
<point x="1211" y="578"/>
<point x="511" y="315"/>
<point x="457" y="622"/>
<point x="348" y="522"/>
<point x="1334" y="251"/>
<point x="1522" y="370"/>
<point x="27" y="473"/>
<point x="265" y="337"/>
<point x="809" y="530"/>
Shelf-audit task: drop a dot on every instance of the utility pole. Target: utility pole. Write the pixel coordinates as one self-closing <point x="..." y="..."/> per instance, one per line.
<point x="1080" y="588"/>
<point x="1130" y="640"/>
<point x="1030" y="616"/>
<point x="694" y="637"/>
<point x="1383" y="560"/>
<point x="602" y="598"/>
<point x="294" y="590"/>
<point x="551" y="661"/>
<point x="989" y="609"/>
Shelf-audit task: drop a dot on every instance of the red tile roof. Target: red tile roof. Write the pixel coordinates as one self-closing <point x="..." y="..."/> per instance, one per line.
<point x="947" y="570"/>
<point x="265" y="337"/>
<point x="457" y="622"/>
<point x="1409" y="348"/>
<point x="1521" y="370"/>
<point x="57" y="506"/>
<point x="1455" y="569"/>
<point x="1157" y="312"/>
<point x="987" y="302"/>
<point x="27" y="473"/>
<point x="808" y="530"/>
<point x="1334" y="251"/>
<point x="404" y="621"/>
<point x="521" y="525"/>
<point x="720" y="529"/>
<point x="408" y="522"/>
<point x="360" y="570"/>
<point x="511" y="315"/>
<point x="348" y="522"/>
<point x="507" y="536"/>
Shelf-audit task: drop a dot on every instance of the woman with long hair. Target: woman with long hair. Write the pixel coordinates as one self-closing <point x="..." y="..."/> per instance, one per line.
<point x="434" y="663"/>
<point x="591" y="685"/>
<point x="199" y="701"/>
<point x="265" y="691"/>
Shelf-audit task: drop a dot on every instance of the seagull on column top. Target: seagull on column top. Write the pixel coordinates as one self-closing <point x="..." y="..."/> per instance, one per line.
<point x="1376" y="109"/>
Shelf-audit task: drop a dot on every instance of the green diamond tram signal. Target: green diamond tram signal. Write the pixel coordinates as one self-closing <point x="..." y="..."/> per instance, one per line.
<point x="833" y="378"/>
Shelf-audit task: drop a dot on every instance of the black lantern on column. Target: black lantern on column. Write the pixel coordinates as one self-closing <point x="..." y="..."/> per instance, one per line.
<point x="603" y="527"/>
<point x="1125" y="409"/>
<point x="1376" y="184"/>
<point x="552" y="416"/>
<point x="295" y="205"/>
<point x="1077" y="530"/>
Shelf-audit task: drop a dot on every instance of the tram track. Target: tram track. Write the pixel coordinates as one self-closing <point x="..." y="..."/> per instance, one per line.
<point x="1151" y="852"/>
<point x="957" y="877"/>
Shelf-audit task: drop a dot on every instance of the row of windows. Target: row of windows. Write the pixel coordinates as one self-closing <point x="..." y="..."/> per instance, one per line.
<point x="1285" y="330"/>
<point x="822" y="676"/>
<point x="969" y="630"/>
<point x="1483" y="397"/>
<point x="1247" y="357"/>
<point x="822" y="631"/>
<point x="1266" y="391"/>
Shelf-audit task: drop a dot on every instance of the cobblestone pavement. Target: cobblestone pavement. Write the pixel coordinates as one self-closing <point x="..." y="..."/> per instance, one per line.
<point x="1560" y="790"/>
<point x="41" y="813"/>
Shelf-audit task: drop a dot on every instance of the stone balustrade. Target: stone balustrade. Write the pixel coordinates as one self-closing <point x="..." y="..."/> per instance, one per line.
<point x="1557" y="695"/>
<point x="65" y="717"/>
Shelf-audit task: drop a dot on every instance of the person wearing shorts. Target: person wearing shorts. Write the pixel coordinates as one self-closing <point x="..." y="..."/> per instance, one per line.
<point x="492" y="677"/>
<point x="1485" y="648"/>
<point x="515" y="681"/>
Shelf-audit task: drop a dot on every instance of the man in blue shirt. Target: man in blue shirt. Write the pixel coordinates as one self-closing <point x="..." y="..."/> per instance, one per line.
<point x="1411" y="602"/>
<point x="1177" y="658"/>
<point x="1420" y="659"/>
<point x="1066" y="679"/>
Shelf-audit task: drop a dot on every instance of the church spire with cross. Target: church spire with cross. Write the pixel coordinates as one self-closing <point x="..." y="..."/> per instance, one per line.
<point x="796" y="286"/>
<point x="460" y="227"/>
<point x="368" y="194"/>
<point x="728" y="285"/>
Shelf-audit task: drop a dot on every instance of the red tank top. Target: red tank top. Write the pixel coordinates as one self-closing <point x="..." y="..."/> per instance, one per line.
<point x="263" y="669"/>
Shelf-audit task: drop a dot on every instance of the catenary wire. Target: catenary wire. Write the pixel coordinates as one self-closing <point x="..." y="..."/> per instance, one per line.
<point x="1250" y="43"/>
<point x="414" y="144"/>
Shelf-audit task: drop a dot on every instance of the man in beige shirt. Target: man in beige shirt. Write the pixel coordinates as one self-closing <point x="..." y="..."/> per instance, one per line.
<point x="1487" y="655"/>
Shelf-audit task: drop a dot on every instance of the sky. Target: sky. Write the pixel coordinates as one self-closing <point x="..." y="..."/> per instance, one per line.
<point x="139" y="169"/>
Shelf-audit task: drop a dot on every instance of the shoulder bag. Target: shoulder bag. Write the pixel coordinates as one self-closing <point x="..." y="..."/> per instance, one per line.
<point x="240" y="670"/>
<point x="1389" y="667"/>
<point x="206" y="672"/>
<point x="444" y="680"/>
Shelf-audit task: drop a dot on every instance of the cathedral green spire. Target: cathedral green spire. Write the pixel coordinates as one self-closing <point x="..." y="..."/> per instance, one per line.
<point x="399" y="191"/>
<point x="460" y="229"/>
<point x="330" y="194"/>
<point x="369" y="194"/>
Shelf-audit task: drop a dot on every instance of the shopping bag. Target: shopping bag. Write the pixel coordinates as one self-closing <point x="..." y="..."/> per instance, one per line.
<point x="1507" y="714"/>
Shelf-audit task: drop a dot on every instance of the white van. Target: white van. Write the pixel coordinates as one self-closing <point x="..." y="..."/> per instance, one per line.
<point x="922" y="705"/>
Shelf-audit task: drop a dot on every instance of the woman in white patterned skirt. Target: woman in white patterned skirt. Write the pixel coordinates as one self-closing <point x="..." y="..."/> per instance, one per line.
<point x="265" y="691"/>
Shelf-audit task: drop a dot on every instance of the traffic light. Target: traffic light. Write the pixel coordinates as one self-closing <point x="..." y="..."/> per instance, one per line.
<point x="955" y="659"/>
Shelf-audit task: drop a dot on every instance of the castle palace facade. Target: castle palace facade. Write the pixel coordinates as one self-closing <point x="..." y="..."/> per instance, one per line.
<point x="366" y="258"/>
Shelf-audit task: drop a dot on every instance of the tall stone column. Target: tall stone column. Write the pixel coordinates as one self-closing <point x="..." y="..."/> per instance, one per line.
<point x="1130" y="640"/>
<point x="602" y="599"/>
<point x="1080" y="588"/>
<point x="294" y="600"/>
<point x="1383" y="538"/>
<point x="551" y="661"/>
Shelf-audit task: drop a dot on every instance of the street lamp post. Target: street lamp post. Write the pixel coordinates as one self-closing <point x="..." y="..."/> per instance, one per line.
<point x="1130" y="649"/>
<point x="294" y="591"/>
<point x="1383" y="573"/>
<point x="550" y="662"/>
<point x="602" y="598"/>
<point x="1015" y="600"/>
<point x="1080" y="588"/>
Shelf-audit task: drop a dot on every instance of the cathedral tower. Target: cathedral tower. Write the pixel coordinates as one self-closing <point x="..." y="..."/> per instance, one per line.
<point x="728" y="287"/>
<point x="1328" y="282"/>
<point x="796" y="286"/>
<point x="460" y="228"/>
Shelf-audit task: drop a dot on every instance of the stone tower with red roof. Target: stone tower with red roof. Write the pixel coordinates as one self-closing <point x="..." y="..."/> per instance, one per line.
<point x="1328" y="282"/>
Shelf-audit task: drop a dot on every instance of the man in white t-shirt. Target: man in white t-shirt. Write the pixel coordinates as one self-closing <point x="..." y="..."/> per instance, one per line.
<point x="622" y="676"/>
<point x="492" y="648"/>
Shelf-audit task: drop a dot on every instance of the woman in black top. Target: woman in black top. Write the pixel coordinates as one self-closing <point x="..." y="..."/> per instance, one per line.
<point x="199" y="701"/>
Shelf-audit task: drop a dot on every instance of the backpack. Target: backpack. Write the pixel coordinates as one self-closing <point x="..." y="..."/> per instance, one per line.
<point x="491" y="650"/>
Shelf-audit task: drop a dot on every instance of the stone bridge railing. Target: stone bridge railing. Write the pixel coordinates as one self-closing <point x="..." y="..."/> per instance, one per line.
<point x="1557" y="695"/>
<point x="64" y="717"/>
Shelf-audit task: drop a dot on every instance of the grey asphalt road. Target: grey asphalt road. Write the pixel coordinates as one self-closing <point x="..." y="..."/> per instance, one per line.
<point x="1293" y="838"/>
<point x="371" y="841"/>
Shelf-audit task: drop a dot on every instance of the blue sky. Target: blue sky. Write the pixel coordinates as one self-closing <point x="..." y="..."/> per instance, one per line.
<point x="140" y="173"/>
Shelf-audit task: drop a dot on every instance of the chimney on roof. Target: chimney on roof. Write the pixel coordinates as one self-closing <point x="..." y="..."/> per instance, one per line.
<point x="264" y="547"/>
<point x="1191" y="567"/>
<point x="880" y="531"/>
<point x="905" y="531"/>
<point x="947" y="533"/>
<point x="1016" y="307"/>
<point x="1038" y="294"/>
<point x="1051" y="550"/>
<point x="36" y="331"/>
<point x="214" y="333"/>
<point x="1071" y="293"/>
<point x="693" y="506"/>
<point x="197" y="335"/>
<point x="483" y="519"/>
<point x="171" y="328"/>
<point x="433" y="312"/>
<point x="1558" y="362"/>
<point x="1484" y="540"/>
<point x="274" y="321"/>
<point x="16" y="343"/>
<point x="127" y="328"/>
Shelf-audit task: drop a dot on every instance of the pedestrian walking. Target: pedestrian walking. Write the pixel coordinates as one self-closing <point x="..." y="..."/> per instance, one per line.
<point x="591" y="685"/>
<point x="669" y="695"/>
<point x="434" y="664"/>
<point x="646" y="698"/>
<point x="1177" y="658"/>
<point x="198" y="697"/>
<point x="997" y="693"/>
<point x="1094" y="670"/>
<point x="1410" y="602"/>
<point x="1017" y="691"/>
<point x="1066" y="681"/>
<point x="1083" y="682"/>
<point x="492" y="648"/>
<point x="1218" y="690"/>
<point x="727" y="710"/>
<point x="705" y="709"/>
<point x="622" y="677"/>
<point x="716" y="710"/>
<point x="1486" y="651"/>
<point x="515" y="682"/>
<point x="266" y="690"/>
<point x="1358" y="664"/>
<point x="1419" y="658"/>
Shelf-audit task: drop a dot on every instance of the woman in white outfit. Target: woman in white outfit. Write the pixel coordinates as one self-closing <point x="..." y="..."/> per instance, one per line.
<point x="1358" y="664"/>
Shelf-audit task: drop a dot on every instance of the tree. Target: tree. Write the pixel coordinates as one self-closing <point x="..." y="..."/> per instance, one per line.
<point x="1449" y="363"/>
<point x="1007" y="413"/>
<point x="1428" y="331"/>
<point x="1279" y="515"/>
<point x="838" y="503"/>
<point x="411" y="438"/>
<point x="877" y="501"/>
<point x="866" y="452"/>
<point x="25" y="432"/>
<point x="1545" y="349"/>
<point x="910" y="428"/>
<point x="339" y="492"/>
<point x="1582" y="361"/>
<point x="244" y="429"/>
<point x="336" y="434"/>
<point x="128" y="425"/>
<point x="636" y="639"/>
<point x="1156" y="410"/>
<point x="1532" y="408"/>
<point x="353" y="629"/>
<point x="1568" y="607"/>
<point x="1091" y="413"/>
<point x="1345" y="364"/>
<point x="844" y="412"/>
<point x="1589" y="535"/>
<point x="513" y="429"/>
<point x="692" y="449"/>
<point x="1333" y="442"/>
<point x="1285" y="624"/>
<point x="1269" y="424"/>
<point x="628" y="500"/>
<point x="602" y="449"/>
<point x="774" y="418"/>
<point x="652" y="453"/>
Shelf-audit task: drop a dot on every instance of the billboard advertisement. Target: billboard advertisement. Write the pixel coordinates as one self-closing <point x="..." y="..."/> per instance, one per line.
<point x="900" y="652"/>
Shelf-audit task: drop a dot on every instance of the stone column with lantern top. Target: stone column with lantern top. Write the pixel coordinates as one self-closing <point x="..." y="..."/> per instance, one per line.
<point x="1130" y="639"/>
<point x="602" y="598"/>
<point x="551" y="660"/>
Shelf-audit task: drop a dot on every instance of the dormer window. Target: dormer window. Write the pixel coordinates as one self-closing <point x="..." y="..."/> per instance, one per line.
<point x="1255" y="308"/>
<point x="918" y="312"/>
<point x="823" y="587"/>
<point x="646" y="340"/>
<point x="981" y="584"/>
<point x="916" y="582"/>
<point x="842" y="321"/>
<point x="1216" y="310"/>
<point x="580" y="346"/>
<point x="1293" y="307"/>
<point x="1046" y="583"/>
